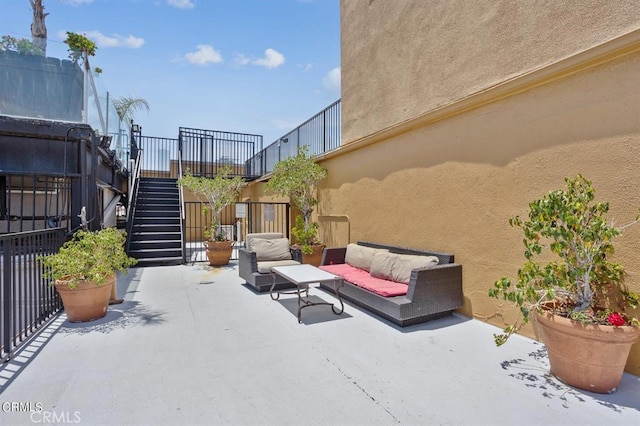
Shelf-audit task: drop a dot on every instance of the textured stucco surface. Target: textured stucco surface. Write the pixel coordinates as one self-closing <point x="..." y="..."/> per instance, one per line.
<point x="453" y="183"/>
<point x="401" y="59"/>
<point x="452" y="186"/>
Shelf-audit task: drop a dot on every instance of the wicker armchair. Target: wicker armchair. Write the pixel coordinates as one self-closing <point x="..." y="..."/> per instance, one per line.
<point x="256" y="270"/>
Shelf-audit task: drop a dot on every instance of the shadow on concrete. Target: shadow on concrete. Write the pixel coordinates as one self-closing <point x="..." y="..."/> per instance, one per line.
<point x="27" y="352"/>
<point x="312" y="314"/>
<point x="118" y="317"/>
<point x="534" y="372"/>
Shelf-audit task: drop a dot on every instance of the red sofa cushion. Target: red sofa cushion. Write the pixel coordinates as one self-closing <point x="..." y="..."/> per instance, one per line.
<point x="361" y="278"/>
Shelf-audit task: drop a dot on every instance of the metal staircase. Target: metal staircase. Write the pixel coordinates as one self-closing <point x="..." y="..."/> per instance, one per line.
<point x="156" y="232"/>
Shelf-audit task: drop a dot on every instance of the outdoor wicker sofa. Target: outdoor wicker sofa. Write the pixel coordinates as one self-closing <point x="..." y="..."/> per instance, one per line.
<point x="262" y="252"/>
<point x="432" y="292"/>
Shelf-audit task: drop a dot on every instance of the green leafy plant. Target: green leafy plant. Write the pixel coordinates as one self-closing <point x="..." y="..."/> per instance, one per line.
<point x="580" y="281"/>
<point x="22" y="46"/>
<point x="304" y="236"/>
<point x="88" y="256"/>
<point x="79" y="46"/>
<point x="217" y="193"/>
<point x="298" y="177"/>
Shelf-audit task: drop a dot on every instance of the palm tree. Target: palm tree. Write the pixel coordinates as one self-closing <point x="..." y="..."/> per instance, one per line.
<point x="38" y="26"/>
<point x="126" y="108"/>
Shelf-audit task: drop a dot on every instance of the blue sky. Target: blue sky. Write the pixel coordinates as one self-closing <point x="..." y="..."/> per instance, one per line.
<point x="253" y="66"/>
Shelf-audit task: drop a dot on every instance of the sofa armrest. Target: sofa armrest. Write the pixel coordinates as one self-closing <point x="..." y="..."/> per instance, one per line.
<point x="441" y="284"/>
<point x="247" y="262"/>
<point x="296" y="254"/>
<point x="333" y="256"/>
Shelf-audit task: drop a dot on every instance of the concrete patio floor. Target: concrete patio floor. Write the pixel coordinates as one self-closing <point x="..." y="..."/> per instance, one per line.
<point x="193" y="345"/>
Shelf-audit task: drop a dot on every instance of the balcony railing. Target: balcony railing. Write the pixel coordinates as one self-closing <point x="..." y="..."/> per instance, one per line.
<point x="28" y="301"/>
<point x="321" y="133"/>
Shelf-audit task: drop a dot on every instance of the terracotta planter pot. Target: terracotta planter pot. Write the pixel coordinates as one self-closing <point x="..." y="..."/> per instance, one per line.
<point x="86" y="302"/>
<point x="588" y="357"/>
<point x="314" y="258"/>
<point x="218" y="252"/>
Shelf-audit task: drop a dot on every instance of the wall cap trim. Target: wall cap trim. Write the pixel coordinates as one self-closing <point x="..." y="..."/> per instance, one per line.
<point x="609" y="51"/>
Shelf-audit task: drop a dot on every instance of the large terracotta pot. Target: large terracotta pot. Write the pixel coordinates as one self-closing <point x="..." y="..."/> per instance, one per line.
<point x="86" y="302"/>
<point x="314" y="258"/>
<point x="218" y="252"/>
<point x="588" y="357"/>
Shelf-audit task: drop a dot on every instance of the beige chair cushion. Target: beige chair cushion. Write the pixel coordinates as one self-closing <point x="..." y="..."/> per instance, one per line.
<point x="263" y="235"/>
<point x="265" y="267"/>
<point x="361" y="256"/>
<point x="398" y="267"/>
<point x="271" y="249"/>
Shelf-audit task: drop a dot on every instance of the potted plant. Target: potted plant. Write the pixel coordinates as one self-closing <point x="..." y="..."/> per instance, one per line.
<point x="575" y="293"/>
<point x="84" y="271"/>
<point x="297" y="177"/>
<point x="216" y="193"/>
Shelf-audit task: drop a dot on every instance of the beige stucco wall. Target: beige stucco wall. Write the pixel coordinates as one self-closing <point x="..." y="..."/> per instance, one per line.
<point x="403" y="58"/>
<point x="456" y="115"/>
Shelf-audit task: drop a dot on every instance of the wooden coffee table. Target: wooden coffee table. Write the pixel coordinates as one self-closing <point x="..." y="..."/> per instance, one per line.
<point x="302" y="276"/>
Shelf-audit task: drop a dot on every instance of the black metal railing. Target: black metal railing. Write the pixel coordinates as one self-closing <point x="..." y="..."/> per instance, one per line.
<point x="134" y="183"/>
<point x="205" y="152"/>
<point x="160" y="156"/>
<point x="30" y="202"/>
<point x="27" y="300"/>
<point x="237" y="221"/>
<point x="321" y="133"/>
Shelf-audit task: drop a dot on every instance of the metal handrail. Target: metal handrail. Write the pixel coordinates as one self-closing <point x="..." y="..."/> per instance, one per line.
<point x="182" y="209"/>
<point x="134" y="180"/>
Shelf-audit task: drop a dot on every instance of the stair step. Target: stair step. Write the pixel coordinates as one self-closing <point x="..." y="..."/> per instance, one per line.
<point x="169" y="214"/>
<point x="155" y="220"/>
<point x="160" y="261"/>
<point x="155" y="244"/>
<point x="154" y="236"/>
<point x="155" y="253"/>
<point x="156" y="228"/>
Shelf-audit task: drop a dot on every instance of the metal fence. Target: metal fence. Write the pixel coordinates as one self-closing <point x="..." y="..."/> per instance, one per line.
<point x="237" y="221"/>
<point x="30" y="202"/>
<point x="160" y="159"/>
<point x="26" y="298"/>
<point x="205" y="152"/>
<point x="321" y="133"/>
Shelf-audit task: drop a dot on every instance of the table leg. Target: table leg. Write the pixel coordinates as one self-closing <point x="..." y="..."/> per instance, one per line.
<point x="337" y="285"/>
<point x="277" y="295"/>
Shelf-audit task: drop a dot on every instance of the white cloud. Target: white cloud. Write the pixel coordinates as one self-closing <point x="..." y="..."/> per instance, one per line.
<point x="102" y="40"/>
<point x="181" y="4"/>
<point x="331" y="81"/>
<point x="205" y="54"/>
<point x="272" y="59"/>
<point x="241" y="59"/>
<point x="115" y="40"/>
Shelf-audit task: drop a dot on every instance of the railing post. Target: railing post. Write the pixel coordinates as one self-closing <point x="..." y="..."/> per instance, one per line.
<point x="7" y="296"/>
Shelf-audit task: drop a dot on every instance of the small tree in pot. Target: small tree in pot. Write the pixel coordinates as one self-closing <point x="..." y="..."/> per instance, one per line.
<point x="581" y="288"/>
<point x="84" y="270"/>
<point x="298" y="177"/>
<point x="216" y="193"/>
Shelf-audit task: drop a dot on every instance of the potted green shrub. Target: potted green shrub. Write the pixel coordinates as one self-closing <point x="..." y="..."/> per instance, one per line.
<point x="84" y="271"/>
<point x="298" y="177"/>
<point x="216" y="194"/>
<point x="575" y="293"/>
